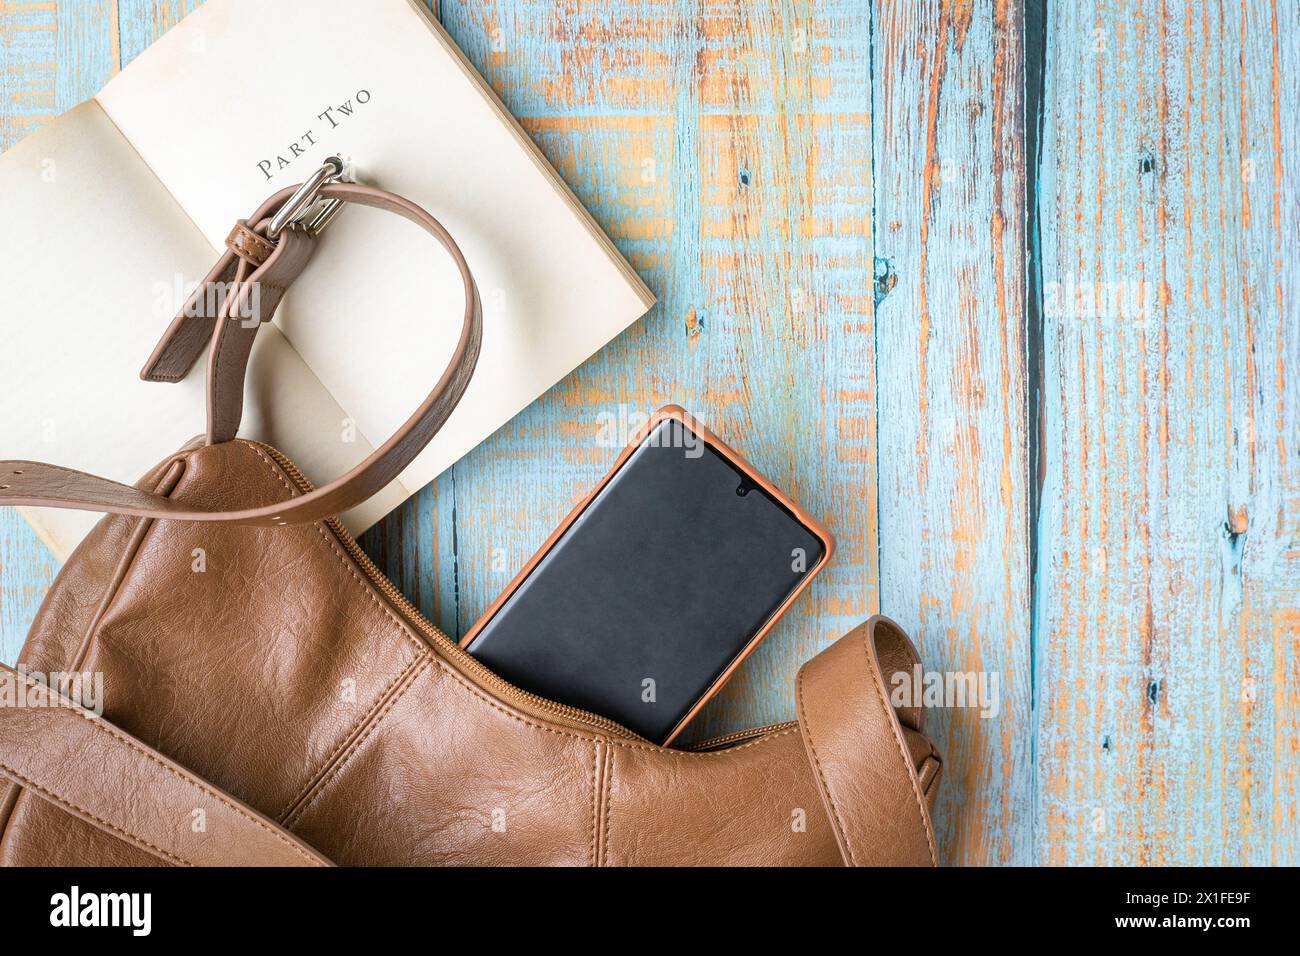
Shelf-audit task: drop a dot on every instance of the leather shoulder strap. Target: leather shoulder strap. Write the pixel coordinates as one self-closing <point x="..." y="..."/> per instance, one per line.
<point x="98" y="772"/>
<point x="856" y="745"/>
<point x="254" y="266"/>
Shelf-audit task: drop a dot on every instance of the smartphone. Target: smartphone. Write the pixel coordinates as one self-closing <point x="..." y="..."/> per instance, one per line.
<point x="648" y="596"/>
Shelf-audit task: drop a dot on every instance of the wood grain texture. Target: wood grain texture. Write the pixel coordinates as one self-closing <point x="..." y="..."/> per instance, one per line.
<point x="26" y="571"/>
<point x="1168" y="660"/>
<point x="954" y="473"/>
<point x="52" y="56"/>
<point x="829" y="198"/>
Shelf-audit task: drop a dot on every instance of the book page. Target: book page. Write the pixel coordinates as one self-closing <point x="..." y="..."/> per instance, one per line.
<point x="265" y="91"/>
<point x="95" y="258"/>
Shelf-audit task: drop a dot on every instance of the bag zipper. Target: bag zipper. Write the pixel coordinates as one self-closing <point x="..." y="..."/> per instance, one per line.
<point x="739" y="737"/>
<point x="441" y="643"/>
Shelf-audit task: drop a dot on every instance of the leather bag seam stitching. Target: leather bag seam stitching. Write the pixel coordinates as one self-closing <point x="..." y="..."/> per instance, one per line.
<point x="346" y="758"/>
<point x="132" y="744"/>
<point x="821" y="777"/>
<point x="77" y="809"/>
<point x="609" y="790"/>
<point x="8" y="802"/>
<point x="318" y="776"/>
<point x="595" y="802"/>
<point x="244" y="242"/>
<point x="883" y="700"/>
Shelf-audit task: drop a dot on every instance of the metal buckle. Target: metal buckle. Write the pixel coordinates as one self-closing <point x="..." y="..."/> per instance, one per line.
<point x="299" y="210"/>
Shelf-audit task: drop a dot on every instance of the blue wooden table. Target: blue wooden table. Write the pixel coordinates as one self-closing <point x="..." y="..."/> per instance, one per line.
<point x="1007" y="292"/>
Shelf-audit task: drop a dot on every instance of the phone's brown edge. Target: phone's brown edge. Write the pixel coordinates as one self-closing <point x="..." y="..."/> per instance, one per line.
<point x="819" y="530"/>
<point x="683" y="417"/>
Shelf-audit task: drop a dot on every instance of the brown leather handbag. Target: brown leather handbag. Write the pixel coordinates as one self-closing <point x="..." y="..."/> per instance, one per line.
<point x="287" y="706"/>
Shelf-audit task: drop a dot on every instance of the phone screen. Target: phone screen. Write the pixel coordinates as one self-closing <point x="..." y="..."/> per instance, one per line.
<point x="666" y="576"/>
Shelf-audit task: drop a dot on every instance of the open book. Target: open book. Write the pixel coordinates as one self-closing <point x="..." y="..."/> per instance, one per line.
<point x="115" y="210"/>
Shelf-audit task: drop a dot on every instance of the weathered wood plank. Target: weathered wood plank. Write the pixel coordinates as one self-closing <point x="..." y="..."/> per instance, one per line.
<point x="953" y="487"/>
<point x="140" y="22"/>
<point x="26" y="570"/>
<point x="28" y="67"/>
<point x="1170" y="525"/>
<point x="726" y="148"/>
